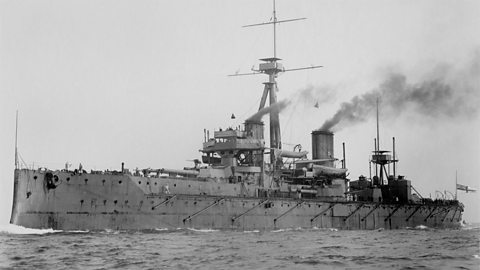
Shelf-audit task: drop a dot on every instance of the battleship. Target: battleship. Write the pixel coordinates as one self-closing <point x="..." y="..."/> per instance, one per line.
<point x="238" y="183"/>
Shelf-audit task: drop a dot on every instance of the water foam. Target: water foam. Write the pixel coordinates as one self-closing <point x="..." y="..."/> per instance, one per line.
<point x="78" y="231"/>
<point x="288" y="229"/>
<point x="202" y="230"/>
<point x="15" y="229"/>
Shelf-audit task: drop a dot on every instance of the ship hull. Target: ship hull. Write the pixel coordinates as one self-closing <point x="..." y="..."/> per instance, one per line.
<point x="124" y="202"/>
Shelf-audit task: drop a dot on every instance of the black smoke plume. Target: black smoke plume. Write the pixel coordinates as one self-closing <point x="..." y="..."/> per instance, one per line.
<point x="444" y="95"/>
<point x="279" y="106"/>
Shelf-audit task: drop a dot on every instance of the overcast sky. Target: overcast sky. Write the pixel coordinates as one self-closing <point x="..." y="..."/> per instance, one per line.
<point x="105" y="82"/>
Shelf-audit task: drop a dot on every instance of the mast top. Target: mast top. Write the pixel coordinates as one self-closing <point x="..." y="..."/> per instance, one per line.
<point x="271" y="67"/>
<point x="274" y="23"/>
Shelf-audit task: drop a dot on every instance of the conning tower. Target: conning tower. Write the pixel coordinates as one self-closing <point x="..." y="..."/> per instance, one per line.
<point x="254" y="129"/>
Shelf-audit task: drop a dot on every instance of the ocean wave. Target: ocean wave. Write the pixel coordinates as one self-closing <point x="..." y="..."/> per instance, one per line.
<point x="287" y="230"/>
<point x="111" y="231"/>
<point x="419" y="227"/>
<point x="202" y="230"/>
<point x="15" y="229"/>
<point x="315" y="228"/>
<point x="280" y="230"/>
<point x="470" y="227"/>
<point x="78" y="231"/>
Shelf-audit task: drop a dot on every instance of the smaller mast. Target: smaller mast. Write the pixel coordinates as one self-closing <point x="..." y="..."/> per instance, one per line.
<point x="380" y="157"/>
<point x="16" y="134"/>
<point x="456" y="184"/>
<point x="378" y="132"/>
<point x="394" y="159"/>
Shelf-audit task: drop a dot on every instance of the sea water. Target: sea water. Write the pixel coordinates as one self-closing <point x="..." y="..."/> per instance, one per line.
<point x="410" y="248"/>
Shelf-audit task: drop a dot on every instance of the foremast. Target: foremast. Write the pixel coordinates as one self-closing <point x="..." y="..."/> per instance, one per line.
<point x="272" y="68"/>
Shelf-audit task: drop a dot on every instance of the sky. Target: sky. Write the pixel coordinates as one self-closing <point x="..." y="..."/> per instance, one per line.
<point x="106" y="82"/>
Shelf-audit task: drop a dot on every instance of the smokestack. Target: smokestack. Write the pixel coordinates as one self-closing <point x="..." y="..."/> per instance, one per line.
<point x="322" y="145"/>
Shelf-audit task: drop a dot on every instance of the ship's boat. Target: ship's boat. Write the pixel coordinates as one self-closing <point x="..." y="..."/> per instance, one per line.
<point x="239" y="183"/>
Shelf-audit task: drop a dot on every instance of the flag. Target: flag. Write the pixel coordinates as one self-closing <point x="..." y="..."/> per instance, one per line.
<point x="465" y="188"/>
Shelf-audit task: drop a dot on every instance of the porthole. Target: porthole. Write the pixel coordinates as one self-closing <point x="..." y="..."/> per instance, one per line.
<point x="120" y="181"/>
<point x="174" y="185"/>
<point x="81" y="201"/>
<point x="139" y="182"/>
<point x="104" y="202"/>
<point x="35" y="177"/>
<point x="148" y="183"/>
<point x="68" y="179"/>
<point x="103" y="181"/>
<point x="86" y="180"/>
<point x="155" y="183"/>
<point x="115" y="202"/>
